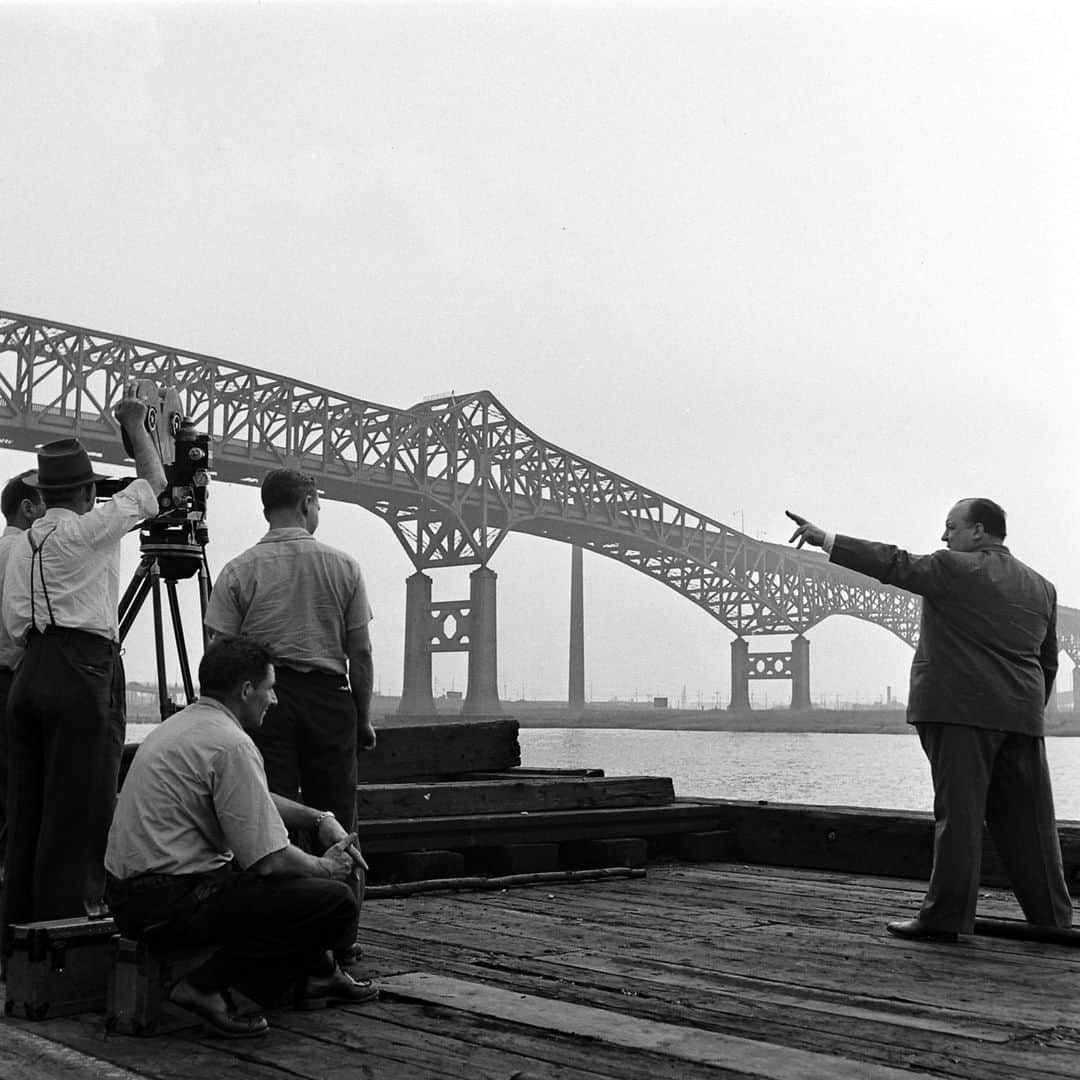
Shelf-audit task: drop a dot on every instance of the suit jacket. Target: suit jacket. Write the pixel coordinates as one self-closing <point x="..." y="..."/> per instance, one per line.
<point x="987" y="652"/>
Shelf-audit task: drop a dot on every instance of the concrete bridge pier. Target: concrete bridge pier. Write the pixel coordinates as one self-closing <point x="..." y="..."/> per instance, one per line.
<point x="482" y="692"/>
<point x="1076" y="688"/>
<point x="416" y="695"/>
<point x="740" y="676"/>
<point x="575" y="698"/>
<point x="800" y="673"/>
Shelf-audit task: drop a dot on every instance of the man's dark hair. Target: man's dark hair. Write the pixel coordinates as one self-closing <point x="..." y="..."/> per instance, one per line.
<point x="285" y="488"/>
<point x="15" y="490"/>
<point x="229" y="662"/>
<point x="988" y="514"/>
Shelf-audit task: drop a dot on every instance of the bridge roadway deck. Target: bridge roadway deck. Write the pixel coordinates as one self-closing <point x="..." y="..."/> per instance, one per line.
<point x="694" y="971"/>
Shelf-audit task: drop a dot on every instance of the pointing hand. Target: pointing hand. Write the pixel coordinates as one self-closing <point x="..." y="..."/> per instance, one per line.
<point x="806" y="533"/>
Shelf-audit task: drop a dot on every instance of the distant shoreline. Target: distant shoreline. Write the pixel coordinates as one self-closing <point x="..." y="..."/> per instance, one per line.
<point x="548" y="714"/>
<point x="531" y="714"/>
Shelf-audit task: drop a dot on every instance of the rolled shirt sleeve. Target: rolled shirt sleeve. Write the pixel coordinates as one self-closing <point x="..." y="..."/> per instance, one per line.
<point x="250" y="823"/>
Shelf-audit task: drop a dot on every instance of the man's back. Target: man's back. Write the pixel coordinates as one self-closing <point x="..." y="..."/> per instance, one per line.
<point x="295" y="595"/>
<point x="987" y="639"/>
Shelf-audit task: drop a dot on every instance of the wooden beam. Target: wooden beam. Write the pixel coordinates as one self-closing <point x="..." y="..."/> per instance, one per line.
<point x="444" y="749"/>
<point x="526" y="795"/>
<point x="747" y="1057"/>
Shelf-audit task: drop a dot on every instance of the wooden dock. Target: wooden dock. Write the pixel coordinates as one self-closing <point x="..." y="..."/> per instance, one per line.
<point x="691" y="971"/>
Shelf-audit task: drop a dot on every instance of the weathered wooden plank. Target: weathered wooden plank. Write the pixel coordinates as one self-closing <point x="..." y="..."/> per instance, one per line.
<point x="444" y="749"/>
<point x="524" y="795"/>
<point x="1033" y="1054"/>
<point x="171" y="1057"/>
<point x="756" y="1059"/>
<point x="489" y="830"/>
<point x="388" y="1033"/>
<point x="27" y="1056"/>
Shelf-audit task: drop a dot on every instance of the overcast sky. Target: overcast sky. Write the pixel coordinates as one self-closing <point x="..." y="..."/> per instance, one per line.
<point x="796" y="254"/>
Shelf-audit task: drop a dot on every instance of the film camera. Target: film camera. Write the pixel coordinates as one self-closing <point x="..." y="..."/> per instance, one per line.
<point x="177" y="535"/>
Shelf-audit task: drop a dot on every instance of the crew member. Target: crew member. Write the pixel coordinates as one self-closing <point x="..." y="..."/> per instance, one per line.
<point x="982" y="674"/>
<point x="199" y="854"/>
<point x="66" y="709"/>
<point x="307" y="604"/>
<point x="21" y="506"/>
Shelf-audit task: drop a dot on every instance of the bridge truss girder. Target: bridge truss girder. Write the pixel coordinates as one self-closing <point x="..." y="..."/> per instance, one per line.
<point x="450" y="477"/>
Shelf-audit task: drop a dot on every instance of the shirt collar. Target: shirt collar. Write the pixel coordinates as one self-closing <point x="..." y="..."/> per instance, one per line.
<point x="287" y="532"/>
<point x="215" y="703"/>
<point x="57" y="512"/>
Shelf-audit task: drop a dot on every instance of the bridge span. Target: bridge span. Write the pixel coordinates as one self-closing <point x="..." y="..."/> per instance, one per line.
<point x="452" y="477"/>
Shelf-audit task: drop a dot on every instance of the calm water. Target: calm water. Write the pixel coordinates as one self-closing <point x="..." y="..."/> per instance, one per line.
<point x="830" y="770"/>
<point x="886" y="771"/>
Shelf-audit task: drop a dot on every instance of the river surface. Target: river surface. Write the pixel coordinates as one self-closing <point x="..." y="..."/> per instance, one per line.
<point x="886" y="771"/>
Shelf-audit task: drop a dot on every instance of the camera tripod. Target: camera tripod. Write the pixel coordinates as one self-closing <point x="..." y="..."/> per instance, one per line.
<point x="169" y="555"/>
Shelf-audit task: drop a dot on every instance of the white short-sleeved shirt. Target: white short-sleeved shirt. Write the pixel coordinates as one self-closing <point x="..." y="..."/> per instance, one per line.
<point x="80" y="563"/>
<point x="194" y="799"/>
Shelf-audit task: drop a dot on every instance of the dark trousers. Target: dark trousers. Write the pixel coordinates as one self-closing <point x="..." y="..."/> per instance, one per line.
<point x="271" y="932"/>
<point x="308" y="745"/>
<point x="65" y="727"/>
<point x="1000" y="777"/>
<point x="6" y="675"/>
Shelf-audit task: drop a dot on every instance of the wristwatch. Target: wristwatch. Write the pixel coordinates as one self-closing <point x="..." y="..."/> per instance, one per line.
<point x="320" y="817"/>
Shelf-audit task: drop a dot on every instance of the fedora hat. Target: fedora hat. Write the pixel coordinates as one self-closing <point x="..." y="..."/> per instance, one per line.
<point x="62" y="464"/>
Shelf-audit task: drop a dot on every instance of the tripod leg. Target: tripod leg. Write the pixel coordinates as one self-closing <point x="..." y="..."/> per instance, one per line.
<point x="134" y="595"/>
<point x="164" y="701"/>
<point x="204" y="595"/>
<point x="181" y="644"/>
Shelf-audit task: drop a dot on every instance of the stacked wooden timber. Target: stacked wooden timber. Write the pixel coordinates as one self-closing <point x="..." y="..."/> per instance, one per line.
<point x="451" y="799"/>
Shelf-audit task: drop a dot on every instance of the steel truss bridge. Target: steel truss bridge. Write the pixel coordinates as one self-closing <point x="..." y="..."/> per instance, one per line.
<point x="451" y="477"/>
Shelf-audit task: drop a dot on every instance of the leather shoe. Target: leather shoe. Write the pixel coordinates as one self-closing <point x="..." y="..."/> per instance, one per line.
<point x="916" y="930"/>
<point x="217" y="1011"/>
<point x="319" y="991"/>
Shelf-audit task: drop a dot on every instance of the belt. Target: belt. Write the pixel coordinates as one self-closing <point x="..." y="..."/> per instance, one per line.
<point x="159" y="881"/>
<point x="314" y="675"/>
<point x="66" y="632"/>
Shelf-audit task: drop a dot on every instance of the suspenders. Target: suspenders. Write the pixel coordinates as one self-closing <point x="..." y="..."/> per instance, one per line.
<point x="36" y="557"/>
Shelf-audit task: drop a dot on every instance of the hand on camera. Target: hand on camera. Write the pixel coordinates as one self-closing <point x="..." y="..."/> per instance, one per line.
<point x="130" y="410"/>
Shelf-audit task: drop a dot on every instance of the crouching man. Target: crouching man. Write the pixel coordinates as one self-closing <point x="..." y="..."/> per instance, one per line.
<point x="198" y="854"/>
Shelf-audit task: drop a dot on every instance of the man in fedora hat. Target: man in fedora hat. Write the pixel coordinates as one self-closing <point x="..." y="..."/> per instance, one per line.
<point x="21" y="506"/>
<point x="66" y="709"/>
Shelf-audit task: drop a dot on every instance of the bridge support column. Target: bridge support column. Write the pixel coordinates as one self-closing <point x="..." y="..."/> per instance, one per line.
<point x="482" y="693"/>
<point x="740" y="676"/>
<point x="575" y="698"/>
<point x="800" y="673"/>
<point x="1076" y="688"/>
<point x="416" y="696"/>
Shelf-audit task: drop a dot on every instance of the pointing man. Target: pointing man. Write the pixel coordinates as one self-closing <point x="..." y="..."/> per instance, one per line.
<point x="980" y="680"/>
